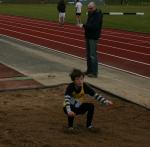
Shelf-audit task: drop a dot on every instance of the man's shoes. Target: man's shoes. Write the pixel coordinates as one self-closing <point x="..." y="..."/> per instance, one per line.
<point x="91" y="75"/>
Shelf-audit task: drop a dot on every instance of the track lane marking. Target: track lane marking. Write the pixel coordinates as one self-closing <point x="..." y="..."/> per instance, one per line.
<point x="47" y="25"/>
<point x="147" y="64"/>
<point x="80" y="40"/>
<point x="61" y="52"/>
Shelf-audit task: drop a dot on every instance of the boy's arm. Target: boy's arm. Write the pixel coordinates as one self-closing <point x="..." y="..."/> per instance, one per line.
<point x="68" y="97"/>
<point x="102" y="100"/>
<point x="67" y="103"/>
<point x="98" y="97"/>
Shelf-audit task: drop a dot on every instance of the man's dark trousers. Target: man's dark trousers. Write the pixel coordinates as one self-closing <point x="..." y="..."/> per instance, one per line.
<point x="92" y="63"/>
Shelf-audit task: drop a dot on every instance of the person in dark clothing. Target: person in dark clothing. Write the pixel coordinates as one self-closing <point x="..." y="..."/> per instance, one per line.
<point x="61" y="7"/>
<point x="92" y="29"/>
<point x="74" y="103"/>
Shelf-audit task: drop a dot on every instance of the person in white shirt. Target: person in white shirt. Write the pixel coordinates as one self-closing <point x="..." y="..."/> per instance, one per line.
<point x="78" y="7"/>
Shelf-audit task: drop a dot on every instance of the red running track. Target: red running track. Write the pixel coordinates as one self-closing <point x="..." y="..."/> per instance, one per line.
<point x="128" y="51"/>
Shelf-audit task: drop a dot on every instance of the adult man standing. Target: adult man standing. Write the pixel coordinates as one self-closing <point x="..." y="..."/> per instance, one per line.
<point x="92" y="33"/>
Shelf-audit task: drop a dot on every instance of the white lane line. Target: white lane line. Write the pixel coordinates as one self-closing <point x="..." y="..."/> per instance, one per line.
<point x="127" y="34"/>
<point x="78" y="40"/>
<point x="126" y="59"/>
<point x="47" y="28"/>
<point x="125" y="71"/>
<point x="71" y="26"/>
<point x="61" y="52"/>
<point x="47" y="24"/>
<point x="142" y="41"/>
<point x="147" y="64"/>
<point x="101" y="38"/>
<point x="127" y="43"/>
<point x="145" y="54"/>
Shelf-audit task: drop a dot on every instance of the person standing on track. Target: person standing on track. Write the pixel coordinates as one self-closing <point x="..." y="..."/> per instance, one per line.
<point x="61" y="7"/>
<point x="74" y="103"/>
<point x="78" y="7"/>
<point x="92" y="29"/>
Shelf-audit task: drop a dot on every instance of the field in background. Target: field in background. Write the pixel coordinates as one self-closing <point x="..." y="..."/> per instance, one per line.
<point x="49" y="12"/>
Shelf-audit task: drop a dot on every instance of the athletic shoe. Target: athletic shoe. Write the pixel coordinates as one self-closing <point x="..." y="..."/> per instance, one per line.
<point x="90" y="127"/>
<point x="70" y="128"/>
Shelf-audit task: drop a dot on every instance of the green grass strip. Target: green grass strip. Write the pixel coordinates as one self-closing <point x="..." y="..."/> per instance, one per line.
<point x="49" y="12"/>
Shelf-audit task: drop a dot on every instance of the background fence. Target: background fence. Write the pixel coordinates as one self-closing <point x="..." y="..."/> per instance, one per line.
<point x="107" y="2"/>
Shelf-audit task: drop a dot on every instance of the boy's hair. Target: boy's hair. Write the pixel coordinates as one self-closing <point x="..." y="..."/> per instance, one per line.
<point x="76" y="73"/>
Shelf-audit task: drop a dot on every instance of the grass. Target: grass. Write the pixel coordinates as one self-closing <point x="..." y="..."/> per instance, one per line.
<point x="49" y="12"/>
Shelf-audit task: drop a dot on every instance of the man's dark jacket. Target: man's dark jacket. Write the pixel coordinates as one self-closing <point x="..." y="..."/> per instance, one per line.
<point x="93" y="25"/>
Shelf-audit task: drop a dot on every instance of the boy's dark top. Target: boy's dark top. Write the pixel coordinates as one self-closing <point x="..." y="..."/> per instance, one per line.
<point x="93" y="25"/>
<point x="74" y="95"/>
<point x="61" y="7"/>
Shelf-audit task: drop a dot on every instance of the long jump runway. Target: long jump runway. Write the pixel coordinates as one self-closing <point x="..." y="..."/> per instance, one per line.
<point x="123" y="50"/>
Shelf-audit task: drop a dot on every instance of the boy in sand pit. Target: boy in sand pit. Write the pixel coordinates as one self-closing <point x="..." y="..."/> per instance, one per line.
<point x="74" y="95"/>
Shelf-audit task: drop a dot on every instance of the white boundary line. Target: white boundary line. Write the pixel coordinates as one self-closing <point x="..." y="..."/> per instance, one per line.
<point x="81" y="41"/>
<point x="147" y="64"/>
<point x="143" y="41"/>
<point x="47" y="24"/>
<point x="80" y="32"/>
<point x="127" y="33"/>
<point x="124" y="13"/>
<point x="84" y="42"/>
<point x="77" y="57"/>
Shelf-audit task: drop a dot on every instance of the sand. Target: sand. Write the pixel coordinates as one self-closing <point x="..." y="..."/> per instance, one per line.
<point x="35" y="118"/>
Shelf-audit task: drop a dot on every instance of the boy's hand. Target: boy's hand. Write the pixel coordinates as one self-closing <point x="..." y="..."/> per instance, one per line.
<point x="107" y="103"/>
<point x="71" y="114"/>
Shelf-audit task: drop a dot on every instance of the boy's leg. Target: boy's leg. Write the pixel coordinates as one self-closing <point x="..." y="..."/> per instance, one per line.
<point x="63" y="18"/>
<point x="89" y="108"/>
<point x="59" y="18"/>
<point x="70" y="122"/>
<point x="70" y="119"/>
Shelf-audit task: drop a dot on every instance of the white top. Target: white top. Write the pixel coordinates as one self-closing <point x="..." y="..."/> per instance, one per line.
<point x="78" y="7"/>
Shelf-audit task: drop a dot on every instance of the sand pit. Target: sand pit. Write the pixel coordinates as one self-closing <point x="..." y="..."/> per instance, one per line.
<point x="34" y="118"/>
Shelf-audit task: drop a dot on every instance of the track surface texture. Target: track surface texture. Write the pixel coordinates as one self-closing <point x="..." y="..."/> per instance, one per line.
<point x="128" y="51"/>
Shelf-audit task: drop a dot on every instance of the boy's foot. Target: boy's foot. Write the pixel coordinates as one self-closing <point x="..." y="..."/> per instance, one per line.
<point x="90" y="127"/>
<point x="70" y="128"/>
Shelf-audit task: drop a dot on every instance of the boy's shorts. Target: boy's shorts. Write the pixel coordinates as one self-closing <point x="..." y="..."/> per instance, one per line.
<point x="61" y="14"/>
<point x="78" y="14"/>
